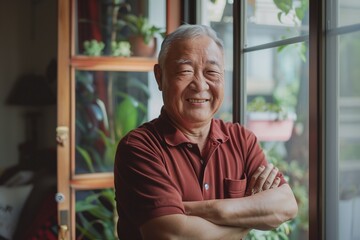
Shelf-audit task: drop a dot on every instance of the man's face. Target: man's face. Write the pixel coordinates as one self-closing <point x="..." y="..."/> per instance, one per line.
<point x="192" y="81"/>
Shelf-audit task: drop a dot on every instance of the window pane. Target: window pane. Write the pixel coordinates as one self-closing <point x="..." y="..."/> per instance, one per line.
<point x="277" y="112"/>
<point x="349" y="12"/>
<point x="108" y="105"/>
<point x="104" y="28"/>
<point x="343" y="120"/>
<point x="95" y="214"/>
<point x="343" y="71"/>
<point x="270" y="20"/>
<point x="218" y="15"/>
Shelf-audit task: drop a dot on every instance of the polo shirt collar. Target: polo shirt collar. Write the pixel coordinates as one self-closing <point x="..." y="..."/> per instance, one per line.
<point x="174" y="136"/>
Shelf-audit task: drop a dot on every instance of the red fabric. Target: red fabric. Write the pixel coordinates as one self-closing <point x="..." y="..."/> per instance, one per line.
<point x="44" y="224"/>
<point x="89" y="23"/>
<point x="157" y="168"/>
<point x="95" y="16"/>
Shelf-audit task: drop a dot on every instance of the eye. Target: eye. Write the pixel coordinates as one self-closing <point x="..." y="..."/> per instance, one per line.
<point x="213" y="73"/>
<point x="185" y="71"/>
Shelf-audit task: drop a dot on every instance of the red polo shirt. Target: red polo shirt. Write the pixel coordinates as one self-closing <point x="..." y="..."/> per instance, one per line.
<point x="157" y="168"/>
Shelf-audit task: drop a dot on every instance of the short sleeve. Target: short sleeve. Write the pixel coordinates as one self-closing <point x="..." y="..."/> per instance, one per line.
<point x="144" y="188"/>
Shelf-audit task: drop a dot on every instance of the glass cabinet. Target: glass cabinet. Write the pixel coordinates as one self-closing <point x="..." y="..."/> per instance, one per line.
<point x="107" y="50"/>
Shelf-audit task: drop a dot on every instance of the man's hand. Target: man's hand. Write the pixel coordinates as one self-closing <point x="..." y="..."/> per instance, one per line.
<point x="263" y="179"/>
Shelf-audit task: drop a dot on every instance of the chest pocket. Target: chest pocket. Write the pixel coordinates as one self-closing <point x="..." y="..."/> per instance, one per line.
<point x="235" y="188"/>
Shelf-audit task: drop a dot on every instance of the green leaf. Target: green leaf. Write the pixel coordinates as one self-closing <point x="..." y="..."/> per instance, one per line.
<point x="141" y="26"/>
<point x="284" y="5"/>
<point x="86" y="229"/>
<point x="86" y="156"/>
<point x="81" y="207"/>
<point x="93" y="47"/>
<point x="281" y="48"/>
<point x="283" y="236"/>
<point x="299" y="13"/>
<point x="126" y="115"/>
<point x="279" y="15"/>
<point x="110" y="149"/>
<point x="97" y="158"/>
<point x="136" y="83"/>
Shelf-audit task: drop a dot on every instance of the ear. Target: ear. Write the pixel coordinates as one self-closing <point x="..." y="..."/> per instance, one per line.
<point x="158" y="75"/>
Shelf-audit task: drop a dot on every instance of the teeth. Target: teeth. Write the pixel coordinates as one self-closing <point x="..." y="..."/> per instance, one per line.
<point x="197" y="100"/>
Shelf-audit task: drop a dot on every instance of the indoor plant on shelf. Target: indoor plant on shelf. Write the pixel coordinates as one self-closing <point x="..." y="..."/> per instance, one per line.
<point x="142" y="35"/>
<point x="269" y="121"/>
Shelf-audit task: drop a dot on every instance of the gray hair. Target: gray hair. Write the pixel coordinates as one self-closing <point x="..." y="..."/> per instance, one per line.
<point x="187" y="31"/>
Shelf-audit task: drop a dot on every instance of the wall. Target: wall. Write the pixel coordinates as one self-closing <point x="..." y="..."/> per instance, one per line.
<point x="28" y="42"/>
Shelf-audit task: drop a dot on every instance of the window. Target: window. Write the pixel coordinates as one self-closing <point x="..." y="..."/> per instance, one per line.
<point x="343" y="119"/>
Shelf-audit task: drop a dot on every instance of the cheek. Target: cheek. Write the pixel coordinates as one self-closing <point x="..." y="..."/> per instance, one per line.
<point x="218" y="90"/>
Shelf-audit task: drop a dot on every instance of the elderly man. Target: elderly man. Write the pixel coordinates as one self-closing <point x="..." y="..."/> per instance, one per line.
<point x="187" y="175"/>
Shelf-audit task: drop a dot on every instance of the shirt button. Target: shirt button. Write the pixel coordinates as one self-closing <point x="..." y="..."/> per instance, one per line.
<point x="189" y="145"/>
<point x="202" y="161"/>
<point x="206" y="186"/>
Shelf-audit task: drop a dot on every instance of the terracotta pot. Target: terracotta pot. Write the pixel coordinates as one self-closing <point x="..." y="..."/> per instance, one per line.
<point x="140" y="48"/>
<point x="267" y="127"/>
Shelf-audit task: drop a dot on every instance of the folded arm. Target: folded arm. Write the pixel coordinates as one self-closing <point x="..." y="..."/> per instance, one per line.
<point x="264" y="210"/>
<point x="180" y="226"/>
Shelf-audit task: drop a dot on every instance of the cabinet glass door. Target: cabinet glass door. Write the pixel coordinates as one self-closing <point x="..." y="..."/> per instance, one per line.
<point x="108" y="105"/>
<point x="106" y="88"/>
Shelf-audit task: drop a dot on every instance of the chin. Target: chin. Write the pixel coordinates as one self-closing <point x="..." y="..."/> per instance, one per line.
<point x="199" y="119"/>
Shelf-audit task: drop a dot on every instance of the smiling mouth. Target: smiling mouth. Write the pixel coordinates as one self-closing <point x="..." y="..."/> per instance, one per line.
<point x="192" y="100"/>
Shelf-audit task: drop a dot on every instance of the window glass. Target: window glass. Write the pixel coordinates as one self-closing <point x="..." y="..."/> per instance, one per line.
<point x="273" y="20"/>
<point x="218" y="15"/>
<point x="277" y="112"/>
<point x="348" y="11"/>
<point x="95" y="214"/>
<point x="276" y="79"/>
<point x="111" y="28"/>
<point x="108" y="105"/>
<point x="343" y="125"/>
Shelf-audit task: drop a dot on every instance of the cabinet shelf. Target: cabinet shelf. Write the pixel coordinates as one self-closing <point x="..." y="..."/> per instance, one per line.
<point x="92" y="181"/>
<point x="128" y="64"/>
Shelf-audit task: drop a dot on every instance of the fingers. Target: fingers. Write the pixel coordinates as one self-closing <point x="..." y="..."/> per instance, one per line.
<point x="276" y="183"/>
<point x="254" y="178"/>
<point x="270" y="179"/>
<point x="264" y="179"/>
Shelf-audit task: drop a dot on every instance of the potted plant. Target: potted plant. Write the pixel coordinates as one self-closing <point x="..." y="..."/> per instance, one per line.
<point x="142" y="35"/>
<point x="269" y="121"/>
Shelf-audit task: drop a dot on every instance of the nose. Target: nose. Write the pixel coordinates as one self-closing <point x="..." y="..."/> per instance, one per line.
<point x="199" y="83"/>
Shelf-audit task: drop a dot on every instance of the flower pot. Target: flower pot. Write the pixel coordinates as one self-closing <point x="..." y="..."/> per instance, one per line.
<point x="268" y="127"/>
<point x="140" y="49"/>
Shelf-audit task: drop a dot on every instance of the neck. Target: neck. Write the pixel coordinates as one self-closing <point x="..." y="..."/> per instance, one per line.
<point x="196" y="134"/>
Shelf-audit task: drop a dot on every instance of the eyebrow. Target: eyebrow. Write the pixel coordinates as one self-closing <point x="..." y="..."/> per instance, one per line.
<point x="183" y="61"/>
<point x="188" y="61"/>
